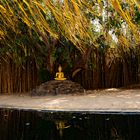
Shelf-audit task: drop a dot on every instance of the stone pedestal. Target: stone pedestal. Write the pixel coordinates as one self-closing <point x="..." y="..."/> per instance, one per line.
<point x="55" y="87"/>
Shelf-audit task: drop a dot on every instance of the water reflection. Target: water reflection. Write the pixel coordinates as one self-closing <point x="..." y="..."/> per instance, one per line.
<point x="33" y="125"/>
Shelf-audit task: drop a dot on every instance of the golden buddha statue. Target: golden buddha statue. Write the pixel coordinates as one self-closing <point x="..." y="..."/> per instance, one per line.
<point x="60" y="74"/>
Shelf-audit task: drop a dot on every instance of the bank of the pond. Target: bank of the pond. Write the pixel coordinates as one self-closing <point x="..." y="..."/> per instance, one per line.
<point x="109" y="100"/>
<point x="112" y="114"/>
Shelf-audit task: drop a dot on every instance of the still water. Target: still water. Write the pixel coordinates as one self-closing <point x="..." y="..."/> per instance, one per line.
<point x="41" y="125"/>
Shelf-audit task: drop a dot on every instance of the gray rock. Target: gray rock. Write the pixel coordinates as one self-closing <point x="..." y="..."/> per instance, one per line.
<point x="55" y="87"/>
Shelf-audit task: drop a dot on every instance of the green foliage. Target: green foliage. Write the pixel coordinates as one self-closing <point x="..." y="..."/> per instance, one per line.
<point x="53" y="30"/>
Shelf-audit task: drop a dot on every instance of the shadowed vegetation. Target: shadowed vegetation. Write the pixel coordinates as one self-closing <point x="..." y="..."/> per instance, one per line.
<point x="79" y="34"/>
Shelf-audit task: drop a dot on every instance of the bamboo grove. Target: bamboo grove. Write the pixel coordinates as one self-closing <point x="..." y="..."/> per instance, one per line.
<point x="32" y="30"/>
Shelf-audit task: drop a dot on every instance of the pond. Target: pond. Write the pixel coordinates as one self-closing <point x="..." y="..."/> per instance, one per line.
<point x="47" y="125"/>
